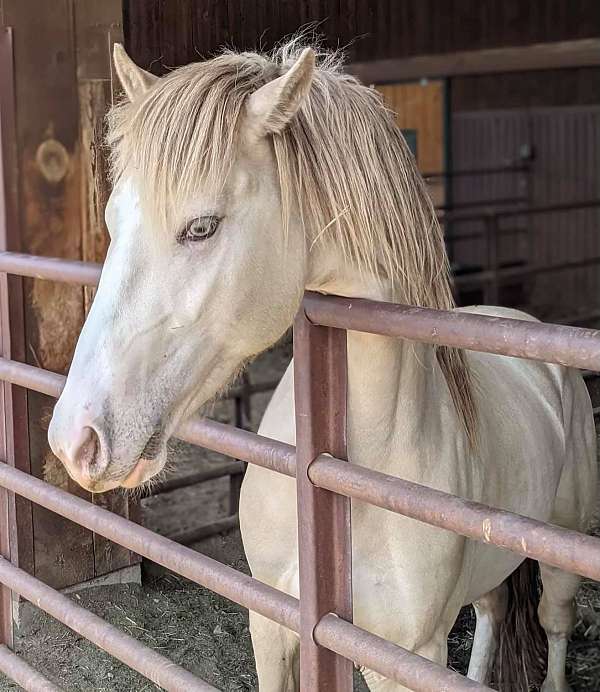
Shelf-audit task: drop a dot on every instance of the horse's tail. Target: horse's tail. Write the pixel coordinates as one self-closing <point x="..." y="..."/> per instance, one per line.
<point x="523" y="647"/>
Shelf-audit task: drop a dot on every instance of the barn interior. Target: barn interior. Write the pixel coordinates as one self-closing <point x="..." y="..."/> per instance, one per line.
<point x="499" y="101"/>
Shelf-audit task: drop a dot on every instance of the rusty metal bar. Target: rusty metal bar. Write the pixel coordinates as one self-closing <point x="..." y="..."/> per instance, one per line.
<point x="29" y="376"/>
<point x="518" y="338"/>
<point x="392" y="661"/>
<point x="240" y="444"/>
<point x="356" y="486"/>
<point x="51" y="268"/>
<point x="576" y="347"/>
<point x="143" y="659"/>
<point x="553" y="545"/>
<point x="359" y="483"/>
<point x="324" y="532"/>
<point x="224" y="580"/>
<point x="17" y="669"/>
<point x="203" y="570"/>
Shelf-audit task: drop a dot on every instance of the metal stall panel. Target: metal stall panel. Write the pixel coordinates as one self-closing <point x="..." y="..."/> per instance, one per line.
<point x="567" y="167"/>
<point x="562" y="148"/>
<point x="496" y="141"/>
<point x="324" y="538"/>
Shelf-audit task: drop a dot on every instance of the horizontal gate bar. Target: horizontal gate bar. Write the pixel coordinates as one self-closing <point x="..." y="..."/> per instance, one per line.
<point x="240" y="588"/>
<point x="576" y="347"/>
<point x="17" y="669"/>
<point x="203" y="570"/>
<point x="240" y="444"/>
<point x="528" y="537"/>
<point x="222" y="438"/>
<point x="392" y="661"/>
<point x="570" y="550"/>
<point x="553" y="343"/>
<point x="126" y="648"/>
<point x="51" y="268"/>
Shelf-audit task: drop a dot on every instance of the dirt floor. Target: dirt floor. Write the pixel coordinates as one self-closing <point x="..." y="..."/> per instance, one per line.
<point x="201" y="631"/>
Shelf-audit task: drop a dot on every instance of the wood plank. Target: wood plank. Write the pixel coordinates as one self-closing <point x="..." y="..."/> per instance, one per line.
<point x="50" y="213"/>
<point x="97" y="27"/>
<point x="8" y="206"/>
<point x="13" y="333"/>
<point x="420" y="107"/>
<point x="95" y="96"/>
<point x="542" y="56"/>
<point x="415" y="27"/>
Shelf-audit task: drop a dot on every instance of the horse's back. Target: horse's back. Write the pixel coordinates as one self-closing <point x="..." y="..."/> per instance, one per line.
<point x="539" y="414"/>
<point x="538" y="440"/>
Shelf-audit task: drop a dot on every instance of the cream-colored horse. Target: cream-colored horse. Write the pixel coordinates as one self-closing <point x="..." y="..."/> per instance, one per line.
<point x="239" y="182"/>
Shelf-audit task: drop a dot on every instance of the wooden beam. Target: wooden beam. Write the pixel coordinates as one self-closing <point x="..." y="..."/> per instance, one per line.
<point x="539" y="56"/>
<point x="97" y="26"/>
<point x="11" y="297"/>
<point x="62" y="80"/>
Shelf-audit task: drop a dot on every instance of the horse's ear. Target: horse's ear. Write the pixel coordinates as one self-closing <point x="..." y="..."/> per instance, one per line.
<point x="133" y="79"/>
<point x="271" y="107"/>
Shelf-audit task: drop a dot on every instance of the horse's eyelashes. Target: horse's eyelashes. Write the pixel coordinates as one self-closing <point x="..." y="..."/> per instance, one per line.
<point x="200" y="228"/>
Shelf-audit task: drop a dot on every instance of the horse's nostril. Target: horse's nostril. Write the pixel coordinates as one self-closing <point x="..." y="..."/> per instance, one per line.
<point x="84" y="448"/>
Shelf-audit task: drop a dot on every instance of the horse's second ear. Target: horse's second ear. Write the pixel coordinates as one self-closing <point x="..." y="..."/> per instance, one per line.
<point x="271" y="107"/>
<point x="134" y="80"/>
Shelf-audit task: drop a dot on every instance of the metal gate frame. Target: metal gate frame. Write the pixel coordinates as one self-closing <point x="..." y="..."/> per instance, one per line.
<point x="326" y="484"/>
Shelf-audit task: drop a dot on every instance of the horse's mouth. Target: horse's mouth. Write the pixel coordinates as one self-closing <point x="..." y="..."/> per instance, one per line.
<point x="148" y="463"/>
<point x="153" y="446"/>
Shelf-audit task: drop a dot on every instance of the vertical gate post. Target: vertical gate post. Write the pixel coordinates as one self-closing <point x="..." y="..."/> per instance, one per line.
<point x="324" y="537"/>
<point x="16" y="528"/>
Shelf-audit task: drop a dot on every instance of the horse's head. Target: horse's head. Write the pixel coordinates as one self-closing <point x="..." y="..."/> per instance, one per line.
<point x="200" y="275"/>
<point x="238" y="182"/>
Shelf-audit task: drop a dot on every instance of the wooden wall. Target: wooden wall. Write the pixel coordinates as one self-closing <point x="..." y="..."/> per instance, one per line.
<point x="164" y="33"/>
<point x="566" y="87"/>
<point x="564" y="168"/>
<point x="62" y="83"/>
<point x="420" y="107"/>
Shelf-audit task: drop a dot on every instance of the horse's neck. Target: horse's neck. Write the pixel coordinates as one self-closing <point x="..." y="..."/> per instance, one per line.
<point x="390" y="382"/>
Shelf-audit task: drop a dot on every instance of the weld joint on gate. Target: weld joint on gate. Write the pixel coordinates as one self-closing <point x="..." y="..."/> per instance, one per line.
<point x="307" y="318"/>
<point x="307" y="471"/>
<point x="310" y="464"/>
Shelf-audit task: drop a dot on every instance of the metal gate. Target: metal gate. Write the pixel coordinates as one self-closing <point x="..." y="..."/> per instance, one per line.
<point x="326" y="484"/>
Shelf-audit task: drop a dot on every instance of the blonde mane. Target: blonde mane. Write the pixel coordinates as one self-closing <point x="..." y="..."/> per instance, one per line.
<point x="342" y="163"/>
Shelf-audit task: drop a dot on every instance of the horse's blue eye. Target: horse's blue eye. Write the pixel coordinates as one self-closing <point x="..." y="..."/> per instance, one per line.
<point x="201" y="228"/>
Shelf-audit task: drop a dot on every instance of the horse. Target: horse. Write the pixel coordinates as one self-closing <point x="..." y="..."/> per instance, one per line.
<point x="240" y="182"/>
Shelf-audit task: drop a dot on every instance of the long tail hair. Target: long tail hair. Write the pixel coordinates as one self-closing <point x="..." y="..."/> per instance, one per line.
<point x="522" y="654"/>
